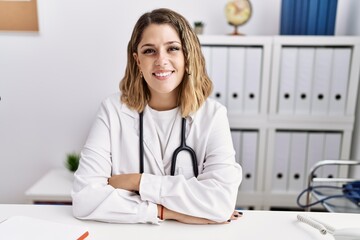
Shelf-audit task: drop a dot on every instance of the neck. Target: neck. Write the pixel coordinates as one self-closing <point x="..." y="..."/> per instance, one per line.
<point x="163" y="102"/>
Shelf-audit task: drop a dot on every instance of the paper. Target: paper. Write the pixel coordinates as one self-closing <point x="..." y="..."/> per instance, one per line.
<point x="21" y="227"/>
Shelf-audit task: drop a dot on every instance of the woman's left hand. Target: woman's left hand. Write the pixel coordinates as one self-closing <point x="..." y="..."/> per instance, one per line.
<point x="130" y="181"/>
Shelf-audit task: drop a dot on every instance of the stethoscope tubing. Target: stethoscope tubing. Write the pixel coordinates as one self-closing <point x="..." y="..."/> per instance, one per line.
<point x="182" y="147"/>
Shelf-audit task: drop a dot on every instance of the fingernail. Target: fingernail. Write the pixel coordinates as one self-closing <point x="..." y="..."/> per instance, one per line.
<point x="235" y="215"/>
<point x="229" y="220"/>
<point x="240" y="213"/>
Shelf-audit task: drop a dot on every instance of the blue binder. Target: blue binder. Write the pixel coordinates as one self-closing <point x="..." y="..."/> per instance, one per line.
<point x="287" y="13"/>
<point x="322" y="17"/>
<point x="330" y="30"/>
<point x="312" y="17"/>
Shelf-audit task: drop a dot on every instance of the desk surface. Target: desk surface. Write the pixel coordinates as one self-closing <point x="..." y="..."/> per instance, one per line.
<point x="253" y="225"/>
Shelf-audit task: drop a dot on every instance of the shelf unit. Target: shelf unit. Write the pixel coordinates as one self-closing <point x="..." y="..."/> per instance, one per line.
<point x="266" y="120"/>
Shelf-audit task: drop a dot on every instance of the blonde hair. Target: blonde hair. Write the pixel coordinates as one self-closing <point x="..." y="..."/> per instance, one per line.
<point x="196" y="85"/>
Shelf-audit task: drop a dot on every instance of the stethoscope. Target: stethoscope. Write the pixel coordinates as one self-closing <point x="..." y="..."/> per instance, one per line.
<point x="182" y="147"/>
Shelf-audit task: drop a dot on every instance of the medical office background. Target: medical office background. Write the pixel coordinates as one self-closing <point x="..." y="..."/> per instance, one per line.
<point x="52" y="81"/>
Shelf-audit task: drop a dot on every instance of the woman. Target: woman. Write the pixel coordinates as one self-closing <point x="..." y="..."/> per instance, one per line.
<point x="166" y="82"/>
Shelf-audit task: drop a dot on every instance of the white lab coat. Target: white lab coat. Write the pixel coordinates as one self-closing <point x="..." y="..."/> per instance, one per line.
<point x="112" y="148"/>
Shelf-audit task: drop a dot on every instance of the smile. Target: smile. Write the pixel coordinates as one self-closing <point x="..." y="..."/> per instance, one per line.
<point x="163" y="74"/>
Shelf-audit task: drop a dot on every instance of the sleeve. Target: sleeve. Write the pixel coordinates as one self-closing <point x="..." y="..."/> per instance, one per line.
<point x="93" y="198"/>
<point x="212" y="195"/>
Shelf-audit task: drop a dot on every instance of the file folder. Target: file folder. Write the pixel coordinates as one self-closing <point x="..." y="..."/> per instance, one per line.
<point x="322" y="17"/>
<point x="249" y="155"/>
<point x="253" y="65"/>
<point x="315" y="150"/>
<point x="339" y="81"/>
<point x="281" y="162"/>
<point x="206" y="51"/>
<point x="321" y="81"/>
<point x="297" y="164"/>
<point x="287" y="80"/>
<point x="304" y="77"/>
<point x="312" y="17"/>
<point x="219" y="73"/>
<point x="331" y="152"/>
<point x="236" y="138"/>
<point x="236" y="79"/>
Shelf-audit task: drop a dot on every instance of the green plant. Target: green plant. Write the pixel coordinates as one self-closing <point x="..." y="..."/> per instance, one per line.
<point x="198" y="24"/>
<point x="72" y="161"/>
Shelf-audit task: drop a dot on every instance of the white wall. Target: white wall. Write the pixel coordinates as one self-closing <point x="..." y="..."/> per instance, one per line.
<point x="51" y="82"/>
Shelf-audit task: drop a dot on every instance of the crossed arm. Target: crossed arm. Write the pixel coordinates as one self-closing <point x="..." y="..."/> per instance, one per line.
<point x="131" y="182"/>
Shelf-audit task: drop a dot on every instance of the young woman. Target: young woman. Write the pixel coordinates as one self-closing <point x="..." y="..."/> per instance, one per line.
<point x="131" y="170"/>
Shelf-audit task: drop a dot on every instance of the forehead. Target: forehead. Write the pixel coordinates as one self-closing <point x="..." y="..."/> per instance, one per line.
<point x="159" y="33"/>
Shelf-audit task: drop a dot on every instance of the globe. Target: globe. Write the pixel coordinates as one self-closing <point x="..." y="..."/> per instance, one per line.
<point x="237" y="12"/>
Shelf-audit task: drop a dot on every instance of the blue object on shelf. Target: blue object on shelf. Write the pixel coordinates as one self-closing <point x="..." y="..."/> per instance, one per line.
<point x="308" y="17"/>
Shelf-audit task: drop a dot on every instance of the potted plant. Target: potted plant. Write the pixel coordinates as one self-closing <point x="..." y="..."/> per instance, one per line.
<point x="199" y="27"/>
<point x="72" y="161"/>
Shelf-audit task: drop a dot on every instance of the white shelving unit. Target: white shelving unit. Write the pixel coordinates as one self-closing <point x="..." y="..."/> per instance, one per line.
<point x="276" y="115"/>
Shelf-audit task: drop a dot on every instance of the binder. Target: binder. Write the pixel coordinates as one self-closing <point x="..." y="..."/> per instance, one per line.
<point x="249" y="156"/>
<point x="236" y="138"/>
<point x="322" y="17"/>
<point x="303" y="80"/>
<point x="331" y="17"/>
<point x="321" y="81"/>
<point x="236" y="81"/>
<point x="281" y="162"/>
<point x="22" y="227"/>
<point x="253" y="64"/>
<point x="315" y="151"/>
<point x="304" y="17"/>
<point x="297" y="17"/>
<point x="339" y="81"/>
<point x="218" y="66"/>
<point x="331" y="152"/>
<point x="206" y="51"/>
<point x="312" y="17"/>
<point x="287" y="80"/>
<point x="297" y="163"/>
<point x="287" y="9"/>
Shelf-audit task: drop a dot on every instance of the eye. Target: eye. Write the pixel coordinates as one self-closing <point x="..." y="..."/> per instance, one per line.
<point x="149" y="51"/>
<point x="173" y="49"/>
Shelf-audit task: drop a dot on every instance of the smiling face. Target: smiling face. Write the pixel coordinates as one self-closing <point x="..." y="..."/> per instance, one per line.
<point x="161" y="60"/>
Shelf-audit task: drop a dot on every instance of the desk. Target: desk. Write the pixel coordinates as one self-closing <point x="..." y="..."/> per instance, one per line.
<point x="54" y="187"/>
<point x="253" y="225"/>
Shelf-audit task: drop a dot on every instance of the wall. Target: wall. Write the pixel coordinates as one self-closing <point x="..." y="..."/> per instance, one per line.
<point x="52" y="82"/>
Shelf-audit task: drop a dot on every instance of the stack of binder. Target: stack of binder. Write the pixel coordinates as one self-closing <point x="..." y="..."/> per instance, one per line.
<point x="236" y="73"/>
<point x="314" y="80"/>
<point x="297" y="152"/>
<point x="308" y="17"/>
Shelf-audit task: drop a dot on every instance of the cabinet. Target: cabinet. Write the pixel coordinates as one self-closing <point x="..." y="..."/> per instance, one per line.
<point x="291" y="102"/>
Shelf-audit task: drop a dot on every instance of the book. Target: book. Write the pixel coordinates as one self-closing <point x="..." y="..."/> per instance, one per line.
<point x="23" y="227"/>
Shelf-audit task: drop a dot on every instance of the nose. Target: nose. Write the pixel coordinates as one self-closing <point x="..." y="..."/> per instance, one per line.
<point x="162" y="59"/>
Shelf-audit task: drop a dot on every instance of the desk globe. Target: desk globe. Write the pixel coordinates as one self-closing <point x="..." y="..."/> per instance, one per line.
<point x="237" y="13"/>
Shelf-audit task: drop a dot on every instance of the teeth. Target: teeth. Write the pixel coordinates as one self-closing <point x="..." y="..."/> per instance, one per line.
<point x="162" y="74"/>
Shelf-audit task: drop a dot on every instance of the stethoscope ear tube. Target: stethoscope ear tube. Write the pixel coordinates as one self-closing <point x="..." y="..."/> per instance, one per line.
<point x="141" y="143"/>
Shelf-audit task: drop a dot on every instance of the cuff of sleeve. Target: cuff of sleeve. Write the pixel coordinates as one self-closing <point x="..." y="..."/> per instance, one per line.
<point x="150" y="214"/>
<point x="150" y="188"/>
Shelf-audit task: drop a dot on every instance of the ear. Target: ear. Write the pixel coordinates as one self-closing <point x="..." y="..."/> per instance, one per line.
<point x="136" y="59"/>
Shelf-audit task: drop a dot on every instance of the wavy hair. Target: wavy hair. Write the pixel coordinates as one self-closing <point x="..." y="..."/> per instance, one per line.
<point x="196" y="85"/>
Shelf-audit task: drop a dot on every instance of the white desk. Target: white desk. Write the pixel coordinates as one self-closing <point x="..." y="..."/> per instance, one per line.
<point x="54" y="187"/>
<point x="253" y="225"/>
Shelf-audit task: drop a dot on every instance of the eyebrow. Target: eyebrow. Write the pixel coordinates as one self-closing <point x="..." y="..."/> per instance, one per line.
<point x="152" y="45"/>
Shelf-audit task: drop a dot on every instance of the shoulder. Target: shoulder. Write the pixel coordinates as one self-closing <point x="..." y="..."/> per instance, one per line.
<point x="113" y="104"/>
<point x="210" y="109"/>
